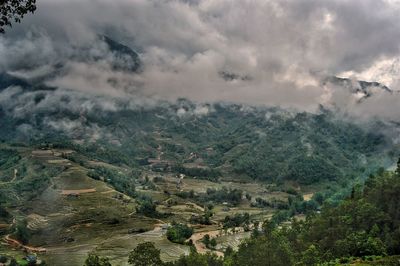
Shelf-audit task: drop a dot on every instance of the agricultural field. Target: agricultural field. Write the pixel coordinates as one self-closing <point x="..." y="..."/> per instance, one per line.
<point x="74" y="214"/>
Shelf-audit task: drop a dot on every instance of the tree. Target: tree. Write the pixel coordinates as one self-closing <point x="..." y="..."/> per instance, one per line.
<point x="206" y="239"/>
<point x="13" y="262"/>
<point x="14" y="11"/>
<point x="145" y="254"/>
<point x="4" y="213"/>
<point x="3" y="259"/>
<point x="94" y="260"/>
<point x="268" y="227"/>
<point x="213" y="243"/>
<point x="197" y="259"/>
<point x="229" y="251"/>
<point x="398" y="168"/>
<point x="21" y="231"/>
<point x="310" y="257"/>
<point x="178" y="233"/>
<point x="209" y="242"/>
<point x="273" y="250"/>
<point x="147" y="207"/>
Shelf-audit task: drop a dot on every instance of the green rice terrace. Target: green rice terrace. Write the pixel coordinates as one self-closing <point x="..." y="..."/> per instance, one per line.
<point x="70" y="213"/>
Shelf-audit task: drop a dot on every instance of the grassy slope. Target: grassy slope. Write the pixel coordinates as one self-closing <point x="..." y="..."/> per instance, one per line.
<point x="70" y="227"/>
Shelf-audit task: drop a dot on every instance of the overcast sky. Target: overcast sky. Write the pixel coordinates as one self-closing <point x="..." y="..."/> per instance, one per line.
<point x="284" y="48"/>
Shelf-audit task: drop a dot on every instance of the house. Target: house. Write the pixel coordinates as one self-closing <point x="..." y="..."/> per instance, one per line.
<point x="164" y="227"/>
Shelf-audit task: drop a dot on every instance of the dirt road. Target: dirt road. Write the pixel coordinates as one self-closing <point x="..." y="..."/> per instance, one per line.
<point x="77" y="191"/>
<point x="18" y="244"/>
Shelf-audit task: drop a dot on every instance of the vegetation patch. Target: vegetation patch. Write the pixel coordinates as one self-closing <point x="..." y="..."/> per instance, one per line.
<point x="179" y="233"/>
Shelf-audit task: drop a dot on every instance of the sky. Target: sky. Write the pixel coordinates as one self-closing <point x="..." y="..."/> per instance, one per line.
<point x="285" y="49"/>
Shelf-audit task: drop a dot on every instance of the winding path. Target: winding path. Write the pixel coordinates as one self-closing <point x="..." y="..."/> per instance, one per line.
<point x="16" y="243"/>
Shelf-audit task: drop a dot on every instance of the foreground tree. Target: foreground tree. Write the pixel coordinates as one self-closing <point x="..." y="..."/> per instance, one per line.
<point x="197" y="259"/>
<point x="94" y="260"/>
<point x="272" y="249"/>
<point x="145" y="254"/>
<point x="14" y="10"/>
<point x="13" y="262"/>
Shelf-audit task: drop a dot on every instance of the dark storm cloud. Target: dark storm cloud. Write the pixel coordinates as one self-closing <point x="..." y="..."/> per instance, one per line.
<point x="285" y="47"/>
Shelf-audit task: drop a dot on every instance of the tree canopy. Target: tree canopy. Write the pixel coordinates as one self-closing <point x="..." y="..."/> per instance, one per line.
<point x="145" y="254"/>
<point x="95" y="260"/>
<point x="13" y="11"/>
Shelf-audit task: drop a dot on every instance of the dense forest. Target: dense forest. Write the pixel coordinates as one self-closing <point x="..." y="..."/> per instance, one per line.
<point x="266" y="144"/>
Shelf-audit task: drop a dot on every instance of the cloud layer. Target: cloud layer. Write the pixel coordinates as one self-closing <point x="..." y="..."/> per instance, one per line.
<point x="283" y="47"/>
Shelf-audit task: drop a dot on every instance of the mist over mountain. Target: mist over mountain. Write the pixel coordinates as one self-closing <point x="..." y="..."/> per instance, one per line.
<point x="97" y="94"/>
<point x="204" y="51"/>
<point x="47" y="105"/>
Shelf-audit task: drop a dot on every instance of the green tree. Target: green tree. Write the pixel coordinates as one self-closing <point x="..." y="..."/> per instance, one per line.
<point x="229" y="251"/>
<point x="3" y="259"/>
<point x="178" y="233"/>
<point x="310" y="257"/>
<point x="13" y="262"/>
<point x="14" y="10"/>
<point x="272" y="250"/>
<point x="206" y="239"/>
<point x="94" y="260"/>
<point x="145" y="254"/>
<point x="4" y="213"/>
<point x="213" y="243"/>
<point x="147" y="207"/>
<point x="398" y="168"/>
<point x="196" y="259"/>
<point x="21" y="231"/>
<point x="359" y="244"/>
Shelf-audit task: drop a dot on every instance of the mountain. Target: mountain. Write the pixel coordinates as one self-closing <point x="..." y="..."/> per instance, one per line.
<point x="83" y="173"/>
<point x="105" y="51"/>
<point x="126" y="58"/>
<point x="363" y="89"/>
<point x="239" y="141"/>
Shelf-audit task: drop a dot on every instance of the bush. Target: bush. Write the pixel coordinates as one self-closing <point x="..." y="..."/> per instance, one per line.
<point x="3" y="259"/>
<point x="123" y="183"/>
<point x="147" y="207"/>
<point x="237" y="220"/>
<point x="210" y="243"/>
<point x="178" y="233"/>
<point x="232" y="196"/>
<point x="22" y="232"/>
<point x="4" y="213"/>
<point x="145" y="254"/>
<point x="94" y="260"/>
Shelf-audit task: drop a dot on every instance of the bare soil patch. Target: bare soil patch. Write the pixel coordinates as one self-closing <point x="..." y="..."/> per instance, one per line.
<point x="308" y="196"/>
<point x="77" y="191"/>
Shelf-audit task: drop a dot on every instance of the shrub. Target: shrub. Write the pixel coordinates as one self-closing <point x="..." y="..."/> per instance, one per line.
<point x="178" y="233"/>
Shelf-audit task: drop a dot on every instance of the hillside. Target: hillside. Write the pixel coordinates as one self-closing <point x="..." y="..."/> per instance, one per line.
<point x="240" y="141"/>
<point x="107" y="180"/>
<point x="83" y="173"/>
